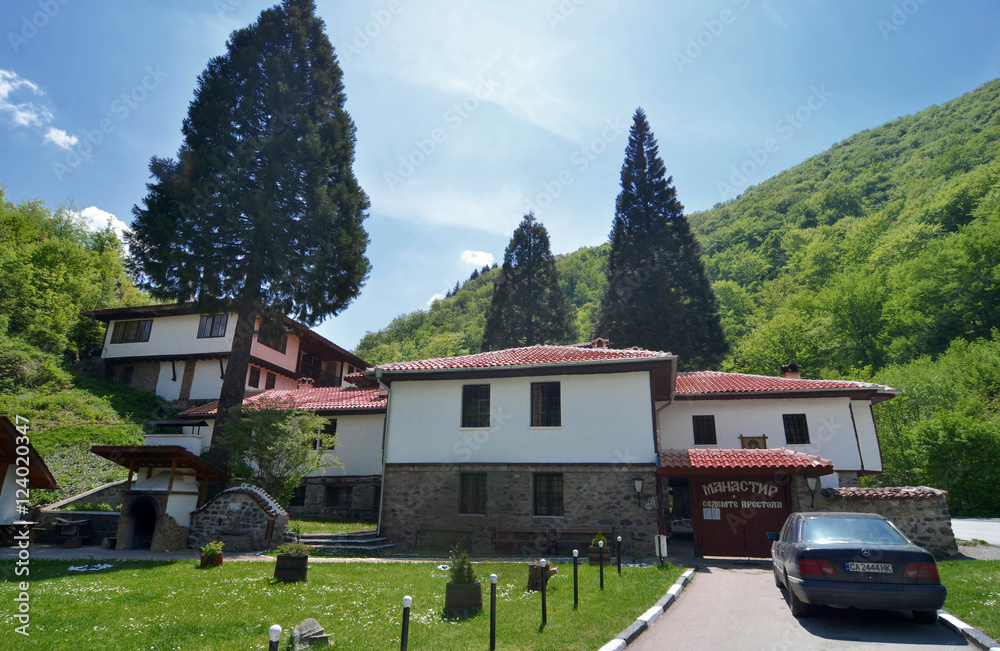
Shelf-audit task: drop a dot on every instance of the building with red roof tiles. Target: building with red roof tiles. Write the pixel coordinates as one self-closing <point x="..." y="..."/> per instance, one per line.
<point x="180" y="354"/>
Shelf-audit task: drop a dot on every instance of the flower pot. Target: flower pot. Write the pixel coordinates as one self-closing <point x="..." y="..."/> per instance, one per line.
<point x="463" y="599"/>
<point x="596" y="553"/>
<point x="215" y="560"/>
<point x="291" y="568"/>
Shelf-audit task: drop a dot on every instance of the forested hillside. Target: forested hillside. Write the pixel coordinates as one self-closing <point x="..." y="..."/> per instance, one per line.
<point x="878" y="259"/>
<point x="51" y="267"/>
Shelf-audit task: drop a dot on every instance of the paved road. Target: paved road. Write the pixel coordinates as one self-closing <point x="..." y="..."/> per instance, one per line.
<point x="977" y="528"/>
<point x="742" y="609"/>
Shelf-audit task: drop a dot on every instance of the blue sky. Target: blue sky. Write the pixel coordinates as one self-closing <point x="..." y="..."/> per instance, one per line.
<point x="471" y="113"/>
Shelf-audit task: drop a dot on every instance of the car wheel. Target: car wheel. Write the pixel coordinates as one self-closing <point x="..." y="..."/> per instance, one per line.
<point x="925" y="616"/>
<point x="777" y="578"/>
<point x="799" y="607"/>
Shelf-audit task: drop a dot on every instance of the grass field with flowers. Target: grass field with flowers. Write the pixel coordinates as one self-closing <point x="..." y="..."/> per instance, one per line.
<point x="156" y="605"/>
<point x="974" y="593"/>
<point x="318" y="525"/>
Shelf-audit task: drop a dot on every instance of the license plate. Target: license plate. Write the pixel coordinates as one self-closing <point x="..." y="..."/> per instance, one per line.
<point x="876" y="568"/>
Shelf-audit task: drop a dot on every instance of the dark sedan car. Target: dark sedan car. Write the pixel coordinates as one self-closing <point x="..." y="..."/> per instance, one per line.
<point x="858" y="560"/>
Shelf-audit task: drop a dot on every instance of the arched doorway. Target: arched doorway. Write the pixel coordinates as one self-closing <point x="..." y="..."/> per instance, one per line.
<point x="142" y="518"/>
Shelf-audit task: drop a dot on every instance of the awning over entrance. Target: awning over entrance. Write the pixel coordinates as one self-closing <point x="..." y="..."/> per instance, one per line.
<point x="178" y="459"/>
<point x="714" y="461"/>
<point x="39" y="475"/>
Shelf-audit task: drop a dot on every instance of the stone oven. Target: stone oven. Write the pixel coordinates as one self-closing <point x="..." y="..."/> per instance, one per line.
<point x="245" y="518"/>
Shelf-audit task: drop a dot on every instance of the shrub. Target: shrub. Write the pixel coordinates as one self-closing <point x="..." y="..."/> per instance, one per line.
<point x="460" y="568"/>
<point x="294" y="549"/>
<point x="89" y="506"/>
<point x="599" y="538"/>
<point x="213" y="548"/>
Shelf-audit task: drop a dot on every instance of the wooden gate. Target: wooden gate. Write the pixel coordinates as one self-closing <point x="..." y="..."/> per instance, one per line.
<point x="732" y="515"/>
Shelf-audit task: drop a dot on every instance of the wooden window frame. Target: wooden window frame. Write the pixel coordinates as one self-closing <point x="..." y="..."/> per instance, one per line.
<point x="254" y="379"/>
<point x="472" y="493"/>
<point x="341" y="492"/>
<point x="270" y="381"/>
<point x="212" y="326"/>
<point x="796" y="429"/>
<point x="703" y="426"/>
<point x="546" y="404"/>
<point x="475" y="406"/>
<point x="131" y="332"/>
<point x="548" y="494"/>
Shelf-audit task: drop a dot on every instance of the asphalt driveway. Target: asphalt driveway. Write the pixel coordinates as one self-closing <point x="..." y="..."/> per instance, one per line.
<point x="742" y="609"/>
<point x="987" y="529"/>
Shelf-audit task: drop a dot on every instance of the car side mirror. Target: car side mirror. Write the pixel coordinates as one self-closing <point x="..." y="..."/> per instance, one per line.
<point x="772" y="535"/>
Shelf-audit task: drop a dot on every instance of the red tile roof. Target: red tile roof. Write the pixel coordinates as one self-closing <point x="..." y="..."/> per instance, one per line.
<point x="703" y="460"/>
<point x="526" y="356"/>
<point x="316" y="399"/>
<point x="904" y="492"/>
<point x="718" y="384"/>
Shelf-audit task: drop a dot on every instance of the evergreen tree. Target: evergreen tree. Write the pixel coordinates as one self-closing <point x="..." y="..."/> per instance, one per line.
<point x="528" y="307"/>
<point x="658" y="295"/>
<point x="261" y="212"/>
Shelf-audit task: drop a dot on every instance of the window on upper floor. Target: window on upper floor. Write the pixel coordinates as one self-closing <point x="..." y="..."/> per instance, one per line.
<point x="329" y="431"/>
<point x="796" y="429"/>
<point x="546" y="406"/>
<point x="212" y="325"/>
<point x="704" y="430"/>
<point x="476" y="405"/>
<point x="273" y="338"/>
<point x="548" y="493"/>
<point x="270" y="381"/>
<point x="472" y="497"/>
<point x="254" y="379"/>
<point x="131" y="332"/>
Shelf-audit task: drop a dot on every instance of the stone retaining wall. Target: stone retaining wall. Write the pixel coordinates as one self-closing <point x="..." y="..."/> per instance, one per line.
<point x="920" y="512"/>
<point x="245" y="518"/>
<point x="422" y="500"/>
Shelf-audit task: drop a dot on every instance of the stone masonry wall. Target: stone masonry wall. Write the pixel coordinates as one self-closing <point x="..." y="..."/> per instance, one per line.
<point x="238" y="520"/>
<point x="364" y="502"/>
<point x="420" y="500"/>
<point x="920" y="512"/>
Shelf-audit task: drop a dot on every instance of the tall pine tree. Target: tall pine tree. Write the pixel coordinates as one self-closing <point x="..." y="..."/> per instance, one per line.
<point x="261" y="212"/>
<point x="528" y="307"/>
<point x="658" y="294"/>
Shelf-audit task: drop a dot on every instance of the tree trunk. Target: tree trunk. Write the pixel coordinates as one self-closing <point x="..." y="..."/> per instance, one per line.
<point x="234" y="382"/>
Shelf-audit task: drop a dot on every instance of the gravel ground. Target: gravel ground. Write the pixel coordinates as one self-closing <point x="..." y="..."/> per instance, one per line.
<point x="976" y="552"/>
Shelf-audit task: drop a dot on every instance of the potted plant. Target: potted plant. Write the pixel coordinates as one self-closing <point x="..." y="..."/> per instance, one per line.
<point x="211" y="554"/>
<point x="463" y="594"/>
<point x="596" y="553"/>
<point x="293" y="562"/>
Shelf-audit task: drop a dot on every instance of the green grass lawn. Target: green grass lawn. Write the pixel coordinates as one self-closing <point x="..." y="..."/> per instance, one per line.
<point x="146" y="605"/>
<point x="315" y="525"/>
<point x="974" y="593"/>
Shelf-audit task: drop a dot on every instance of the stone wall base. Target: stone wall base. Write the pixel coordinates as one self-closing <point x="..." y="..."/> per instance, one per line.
<point x="363" y="495"/>
<point x="420" y="507"/>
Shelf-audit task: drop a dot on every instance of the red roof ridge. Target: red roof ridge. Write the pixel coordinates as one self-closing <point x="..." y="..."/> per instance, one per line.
<point x="343" y="398"/>
<point x="536" y="355"/>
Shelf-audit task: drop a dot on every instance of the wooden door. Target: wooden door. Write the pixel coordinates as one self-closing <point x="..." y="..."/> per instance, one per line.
<point x="732" y="515"/>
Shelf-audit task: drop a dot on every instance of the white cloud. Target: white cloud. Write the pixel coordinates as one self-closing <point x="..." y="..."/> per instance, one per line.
<point x="96" y="219"/>
<point x="60" y="138"/>
<point x="29" y="112"/>
<point x="436" y="297"/>
<point x="446" y="206"/>
<point x="477" y="258"/>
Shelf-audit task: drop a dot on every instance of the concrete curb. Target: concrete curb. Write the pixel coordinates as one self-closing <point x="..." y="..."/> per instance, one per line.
<point x="974" y="636"/>
<point x="647" y="619"/>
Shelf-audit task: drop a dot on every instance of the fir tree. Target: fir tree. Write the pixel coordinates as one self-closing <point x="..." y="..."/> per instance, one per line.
<point x="261" y="212"/>
<point x="528" y="307"/>
<point x="658" y="294"/>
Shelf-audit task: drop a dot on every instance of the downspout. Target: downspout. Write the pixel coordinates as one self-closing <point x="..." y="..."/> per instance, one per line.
<point x="660" y="502"/>
<point x="385" y="430"/>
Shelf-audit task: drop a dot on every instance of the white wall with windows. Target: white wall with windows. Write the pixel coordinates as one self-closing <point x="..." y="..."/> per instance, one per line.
<point x="605" y="418"/>
<point x="170" y="335"/>
<point x="359" y="447"/>
<point x="839" y="429"/>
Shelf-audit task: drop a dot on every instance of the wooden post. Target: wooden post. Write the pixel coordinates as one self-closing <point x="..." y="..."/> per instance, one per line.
<point x="173" y="472"/>
<point x="204" y="491"/>
<point x="128" y="484"/>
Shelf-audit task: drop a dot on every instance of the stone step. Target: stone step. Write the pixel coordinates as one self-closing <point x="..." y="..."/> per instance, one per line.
<point x="354" y="548"/>
<point x="354" y="535"/>
<point x="346" y="543"/>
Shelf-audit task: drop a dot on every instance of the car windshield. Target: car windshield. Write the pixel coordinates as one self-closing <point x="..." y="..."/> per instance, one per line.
<point x="871" y="531"/>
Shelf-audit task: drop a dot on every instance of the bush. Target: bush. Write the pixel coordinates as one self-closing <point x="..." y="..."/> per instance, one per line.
<point x="962" y="456"/>
<point x="599" y="538"/>
<point x="460" y="568"/>
<point x="294" y="549"/>
<point x="213" y="548"/>
<point x="89" y="506"/>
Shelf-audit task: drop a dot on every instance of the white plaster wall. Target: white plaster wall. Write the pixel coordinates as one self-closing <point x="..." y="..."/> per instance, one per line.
<point x="192" y="444"/>
<point x="183" y="497"/>
<point x="281" y="382"/>
<point x="8" y="497"/>
<point x="172" y="335"/>
<point x="864" y="422"/>
<point x="166" y="387"/>
<point x="606" y="418"/>
<point x="359" y="447"/>
<point x="207" y="381"/>
<point x="289" y="359"/>
<point x="831" y="428"/>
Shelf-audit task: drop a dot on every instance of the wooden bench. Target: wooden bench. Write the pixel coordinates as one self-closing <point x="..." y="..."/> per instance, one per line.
<point x="523" y="541"/>
<point x="579" y="538"/>
<point x="432" y="539"/>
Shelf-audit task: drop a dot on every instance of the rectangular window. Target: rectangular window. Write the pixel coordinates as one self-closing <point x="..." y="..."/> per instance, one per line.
<point x="212" y="326"/>
<point x="476" y="405"/>
<point x="473" y="493"/>
<point x="329" y="433"/>
<point x="704" y="430"/>
<point x="338" y="496"/>
<point x="546" y="406"/>
<point x="548" y="493"/>
<point x="269" y="382"/>
<point x="131" y="332"/>
<point x="796" y="429"/>
<point x="254" y="379"/>
<point x="273" y="339"/>
<point x="299" y="498"/>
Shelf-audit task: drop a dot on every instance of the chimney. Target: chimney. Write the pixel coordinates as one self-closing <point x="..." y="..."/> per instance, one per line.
<point x="791" y="371"/>
<point x="599" y="343"/>
<point x="305" y="383"/>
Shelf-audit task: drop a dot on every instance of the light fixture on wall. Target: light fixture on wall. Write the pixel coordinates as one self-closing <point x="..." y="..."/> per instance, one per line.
<point x="811" y="483"/>
<point x="637" y="482"/>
